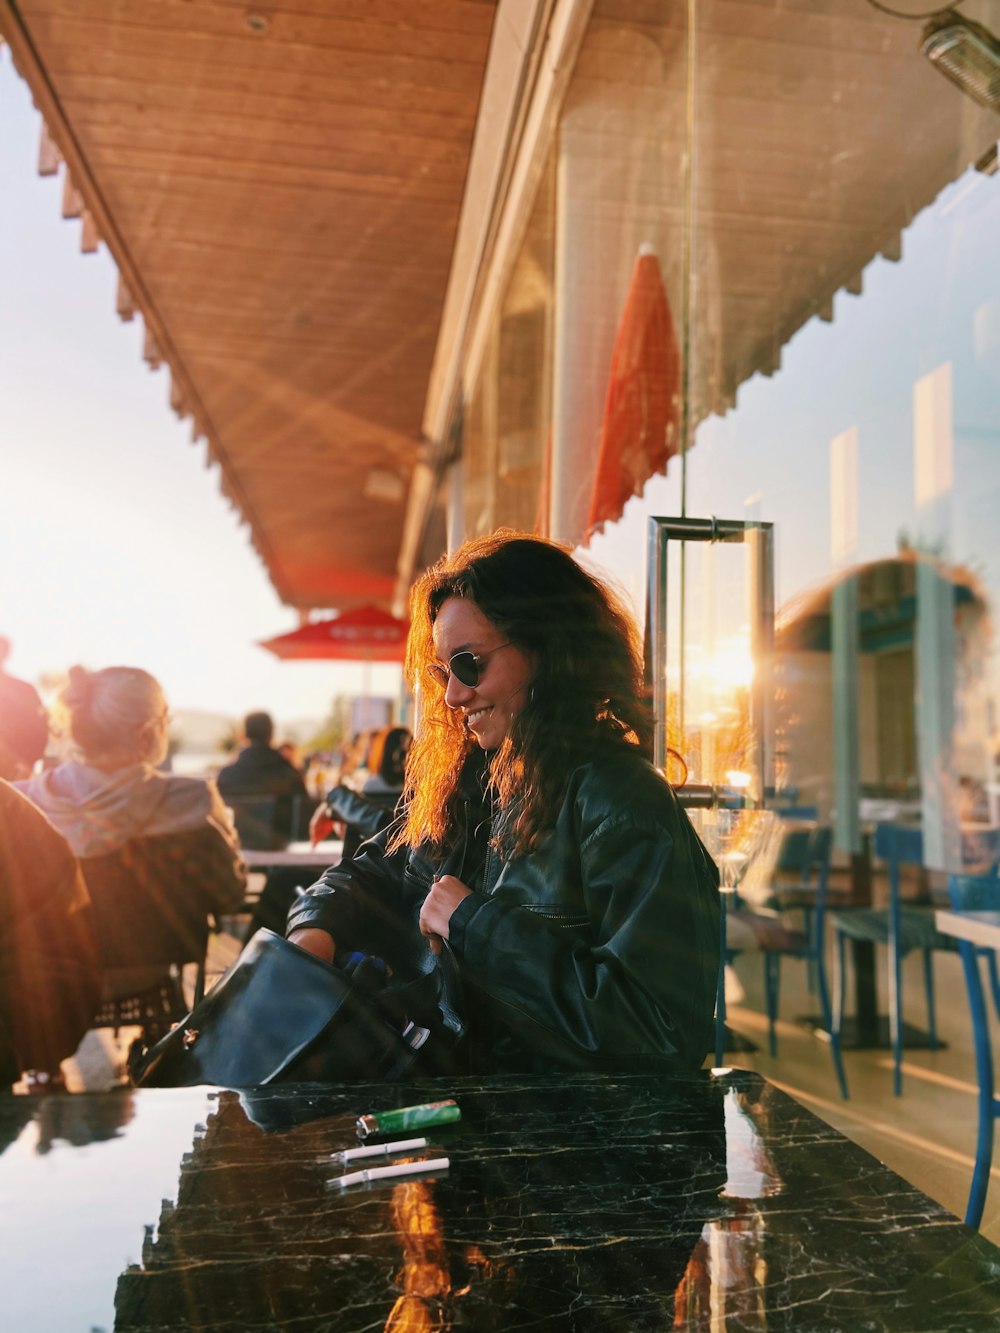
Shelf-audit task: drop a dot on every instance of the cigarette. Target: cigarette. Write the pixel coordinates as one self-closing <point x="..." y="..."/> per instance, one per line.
<point x="379" y="1149"/>
<point x="389" y="1172"/>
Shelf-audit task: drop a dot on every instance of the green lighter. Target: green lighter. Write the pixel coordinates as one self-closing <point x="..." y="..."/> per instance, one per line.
<point x="408" y="1117"/>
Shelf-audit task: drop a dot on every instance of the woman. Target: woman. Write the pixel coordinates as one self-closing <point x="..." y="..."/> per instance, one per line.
<point x="146" y="840"/>
<point x="540" y="848"/>
<point x="360" y="815"/>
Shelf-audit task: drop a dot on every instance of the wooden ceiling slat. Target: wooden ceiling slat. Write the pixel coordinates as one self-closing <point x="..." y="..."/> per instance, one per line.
<point x="287" y="28"/>
<point x="244" y="57"/>
<point x="212" y="290"/>
<point x="290" y="213"/>
<point x="207" y="132"/>
<point x="370" y="178"/>
<point x="120" y="96"/>
<point x="445" y="17"/>
<point x="76" y="69"/>
<point x="214" y="338"/>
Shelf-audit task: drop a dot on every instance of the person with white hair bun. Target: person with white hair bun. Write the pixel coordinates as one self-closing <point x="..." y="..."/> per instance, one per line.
<point x="119" y="724"/>
<point x="171" y="835"/>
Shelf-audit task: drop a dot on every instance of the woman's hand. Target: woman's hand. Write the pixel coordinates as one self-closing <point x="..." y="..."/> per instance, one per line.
<point x="319" y="942"/>
<point x="323" y="825"/>
<point x="444" y="896"/>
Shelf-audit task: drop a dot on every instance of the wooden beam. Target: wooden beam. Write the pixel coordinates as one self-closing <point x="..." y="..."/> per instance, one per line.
<point x="49" y="156"/>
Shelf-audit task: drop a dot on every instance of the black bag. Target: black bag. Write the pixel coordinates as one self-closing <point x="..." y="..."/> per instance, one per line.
<point x="281" y="1014"/>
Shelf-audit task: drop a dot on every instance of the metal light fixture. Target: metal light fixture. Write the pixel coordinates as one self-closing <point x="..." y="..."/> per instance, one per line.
<point x="967" y="53"/>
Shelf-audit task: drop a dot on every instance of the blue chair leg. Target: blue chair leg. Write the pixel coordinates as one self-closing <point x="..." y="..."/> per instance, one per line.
<point x="991" y="956"/>
<point x="988" y="1104"/>
<point x="895" y="1011"/>
<point x="827" y="1012"/>
<point x="932" y="1036"/>
<point x="837" y="1014"/>
<point x="772" y="974"/>
<point x="812" y="971"/>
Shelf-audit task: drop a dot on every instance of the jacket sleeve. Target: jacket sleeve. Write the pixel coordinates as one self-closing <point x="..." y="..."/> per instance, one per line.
<point x="362" y="903"/>
<point x="632" y="974"/>
<point x="367" y="817"/>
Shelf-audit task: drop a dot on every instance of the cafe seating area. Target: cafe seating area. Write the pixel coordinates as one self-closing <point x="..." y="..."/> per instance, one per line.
<point x="927" y="1135"/>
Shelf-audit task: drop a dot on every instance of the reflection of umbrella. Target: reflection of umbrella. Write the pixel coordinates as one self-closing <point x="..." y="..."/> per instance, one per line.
<point x="364" y="634"/>
<point x="640" y="428"/>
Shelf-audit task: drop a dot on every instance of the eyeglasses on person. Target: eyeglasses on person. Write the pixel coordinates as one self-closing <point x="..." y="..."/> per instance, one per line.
<point x="465" y="667"/>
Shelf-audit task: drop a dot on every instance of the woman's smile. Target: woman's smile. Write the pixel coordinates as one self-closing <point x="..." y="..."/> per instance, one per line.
<point x="489" y="706"/>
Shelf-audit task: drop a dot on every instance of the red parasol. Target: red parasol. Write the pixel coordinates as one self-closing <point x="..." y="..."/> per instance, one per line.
<point x="364" y="634"/>
<point x="640" y="429"/>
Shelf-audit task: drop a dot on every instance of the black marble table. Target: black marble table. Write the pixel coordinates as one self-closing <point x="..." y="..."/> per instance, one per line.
<point x="579" y="1203"/>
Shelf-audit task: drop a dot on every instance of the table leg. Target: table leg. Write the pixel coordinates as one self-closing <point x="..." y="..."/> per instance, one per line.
<point x="867" y="1030"/>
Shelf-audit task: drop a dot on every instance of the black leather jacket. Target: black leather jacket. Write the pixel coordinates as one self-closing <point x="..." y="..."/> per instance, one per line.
<point x="365" y="813"/>
<point x="598" y="950"/>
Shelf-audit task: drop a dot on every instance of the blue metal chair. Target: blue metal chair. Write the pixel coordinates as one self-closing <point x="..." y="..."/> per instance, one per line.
<point x="808" y="945"/>
<point x="902" y="929"/>
<point x="808" y="852"/>
<point x="980" y="893"/>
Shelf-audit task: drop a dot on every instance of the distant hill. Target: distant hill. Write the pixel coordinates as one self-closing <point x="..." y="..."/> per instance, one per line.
<point x="200" y="732"/>
<point x="300" y="730"/>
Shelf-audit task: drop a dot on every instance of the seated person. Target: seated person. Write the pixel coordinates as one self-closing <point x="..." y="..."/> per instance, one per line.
<point x="543" y="861"/>
<point x="349" y="814"/>
<point x="50" y="978"/>
<point x="24" y="724"/>
<point x="261" y="771"/>
<point x="356" y="816"/>
<point x="147" y="841"/>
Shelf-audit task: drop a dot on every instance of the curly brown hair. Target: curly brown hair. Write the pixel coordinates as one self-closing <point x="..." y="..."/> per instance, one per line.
<point x="587" y="691"/>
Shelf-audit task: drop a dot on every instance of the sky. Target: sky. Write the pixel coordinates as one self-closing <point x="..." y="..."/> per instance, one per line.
<point x="116" y="546"/>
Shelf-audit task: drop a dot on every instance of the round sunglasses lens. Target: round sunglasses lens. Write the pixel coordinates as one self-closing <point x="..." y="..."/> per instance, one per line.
<point x="438" y="673"/>
<point x="465" y="668"/>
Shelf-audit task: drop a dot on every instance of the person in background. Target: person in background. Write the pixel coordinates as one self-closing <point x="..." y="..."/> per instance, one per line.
<point x="260" y="771"/>
<point x="353" y="767"/>
<point x="290" y="752"/>
<point x="24" y="723"/>
<point x="118" y="724"/>
<point x="540" y="851"/>
<point x="158" y="852"/>
<point x="50" y="974"/>
<point x="355" y="816"/>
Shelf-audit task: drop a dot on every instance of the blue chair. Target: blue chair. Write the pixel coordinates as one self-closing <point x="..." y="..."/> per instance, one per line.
<point x="792" y="860"/>
<point x="980" y="893"/>
<point x="902" y="929"/>
<point x="776" y="940"/>
<point x="808" y="945"/>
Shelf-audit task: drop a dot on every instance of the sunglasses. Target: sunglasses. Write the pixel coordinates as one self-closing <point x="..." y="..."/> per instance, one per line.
<point x="465" y="667"/>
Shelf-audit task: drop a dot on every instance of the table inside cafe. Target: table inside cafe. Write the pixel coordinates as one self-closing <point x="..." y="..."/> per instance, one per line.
<point x="578" y="1202"/>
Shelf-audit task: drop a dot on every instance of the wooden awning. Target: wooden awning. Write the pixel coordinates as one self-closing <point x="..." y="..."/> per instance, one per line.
<point x="281" y="186"/>
<point x="280" y="189"/>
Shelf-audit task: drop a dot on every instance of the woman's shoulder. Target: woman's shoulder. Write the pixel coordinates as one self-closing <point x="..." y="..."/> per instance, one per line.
<point x="620" y="779"/>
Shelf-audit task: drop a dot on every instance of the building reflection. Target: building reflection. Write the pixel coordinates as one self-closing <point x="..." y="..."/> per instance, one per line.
<point x="728" y="1273"/>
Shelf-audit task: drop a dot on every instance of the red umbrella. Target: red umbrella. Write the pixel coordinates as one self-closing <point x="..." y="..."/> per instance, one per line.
<point x="364" y="634"/>
<point x="640" y="429"/>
